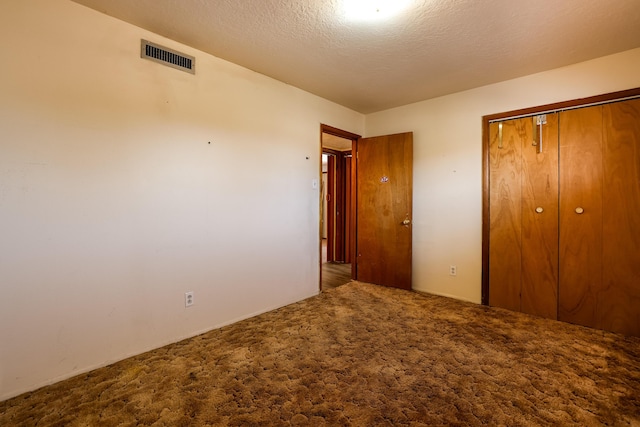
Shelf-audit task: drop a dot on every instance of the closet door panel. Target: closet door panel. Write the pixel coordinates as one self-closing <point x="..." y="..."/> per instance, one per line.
<point x="539" y="294"/>
<point x="620" y="299"/>
<point x="505" y="216"/>
<point x="580" y="245"/>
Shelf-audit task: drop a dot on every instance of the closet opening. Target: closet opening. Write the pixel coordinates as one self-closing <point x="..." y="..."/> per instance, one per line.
<point x="561" y="234"/>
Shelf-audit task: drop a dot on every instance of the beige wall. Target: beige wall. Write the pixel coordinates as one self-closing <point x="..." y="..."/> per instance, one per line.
<point x="448" y="161"/>
<point x="113" y="203"/>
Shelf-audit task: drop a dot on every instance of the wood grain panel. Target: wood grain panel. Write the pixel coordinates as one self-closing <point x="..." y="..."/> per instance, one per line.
<point x="384" y="201"/>
<point x="347" y="209"/>
<point x="331" y="208"/>
<point x="619" y="301"/>
<point x="505" y="194"/>
<point x="340" y="221"/>
<point x="580" y="248"/>
<point x="539" y="295"/>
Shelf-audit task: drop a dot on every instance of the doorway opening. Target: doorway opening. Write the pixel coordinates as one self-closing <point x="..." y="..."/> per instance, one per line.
<point x="337" y="216"/>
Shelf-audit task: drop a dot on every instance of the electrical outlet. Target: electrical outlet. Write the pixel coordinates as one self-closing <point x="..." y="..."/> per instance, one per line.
<point x="188" y="299"/>
<point x="453" y="270"/>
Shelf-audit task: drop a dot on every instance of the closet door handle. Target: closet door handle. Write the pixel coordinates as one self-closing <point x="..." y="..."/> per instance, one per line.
<point x="579" y="210"/>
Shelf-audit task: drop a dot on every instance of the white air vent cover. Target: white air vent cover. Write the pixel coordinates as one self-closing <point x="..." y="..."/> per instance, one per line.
<point x="167" y="57"/>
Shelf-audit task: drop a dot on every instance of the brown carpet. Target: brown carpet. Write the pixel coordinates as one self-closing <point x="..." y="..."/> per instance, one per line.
<point x="360" y="355"/>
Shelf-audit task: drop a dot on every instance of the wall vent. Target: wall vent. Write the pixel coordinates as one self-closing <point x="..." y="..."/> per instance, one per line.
<point x="167" y="57"/>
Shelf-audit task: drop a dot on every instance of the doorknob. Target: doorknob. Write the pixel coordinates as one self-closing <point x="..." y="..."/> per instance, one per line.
<point x="579" y="210"/>
<point x="539" y="209"/>
<point x="406" y="222"/>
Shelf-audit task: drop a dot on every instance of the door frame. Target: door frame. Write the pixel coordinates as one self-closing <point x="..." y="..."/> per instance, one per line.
<point x="352" y="214"/>
<point x="559" y="106"/>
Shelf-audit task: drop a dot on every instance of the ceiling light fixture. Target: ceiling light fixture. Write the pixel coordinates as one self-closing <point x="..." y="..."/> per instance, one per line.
<point x="372" y="10"/>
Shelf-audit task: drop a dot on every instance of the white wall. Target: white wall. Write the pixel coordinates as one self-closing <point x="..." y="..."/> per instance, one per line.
<point x="113" y="203"/>
<point x="448" y="161"/>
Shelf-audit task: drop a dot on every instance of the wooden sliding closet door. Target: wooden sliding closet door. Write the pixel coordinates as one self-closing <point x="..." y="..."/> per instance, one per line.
<point x="580" y="285"/>
<point x="505" y="249"/>
<point x="564" y="217"/>
<point x="600" y="217"/>
<point x="540" y="220"/>
<point x="523" y="250"/>
<point x="620" y="297"/>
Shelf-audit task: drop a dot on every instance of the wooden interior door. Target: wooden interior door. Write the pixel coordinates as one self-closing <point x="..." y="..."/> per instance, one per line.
<point x="331" y="208"/>
<point x="347" y="209"/>
<point x="384" y="191"/>
<point x="580" y="245"/>
<point x="338" y="205"/>
<point x="505" y="192"/>
<point x="619" y="301"/>
<point x="539" y="294"/>
<point x="523" y="248"/>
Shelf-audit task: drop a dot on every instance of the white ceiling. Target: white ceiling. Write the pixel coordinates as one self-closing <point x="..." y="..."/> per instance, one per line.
<point x="434" y="48"/>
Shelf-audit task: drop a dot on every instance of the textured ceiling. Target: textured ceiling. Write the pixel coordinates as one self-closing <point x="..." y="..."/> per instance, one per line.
<point x="335" y="142"/>
<point x="434" y="48"/>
